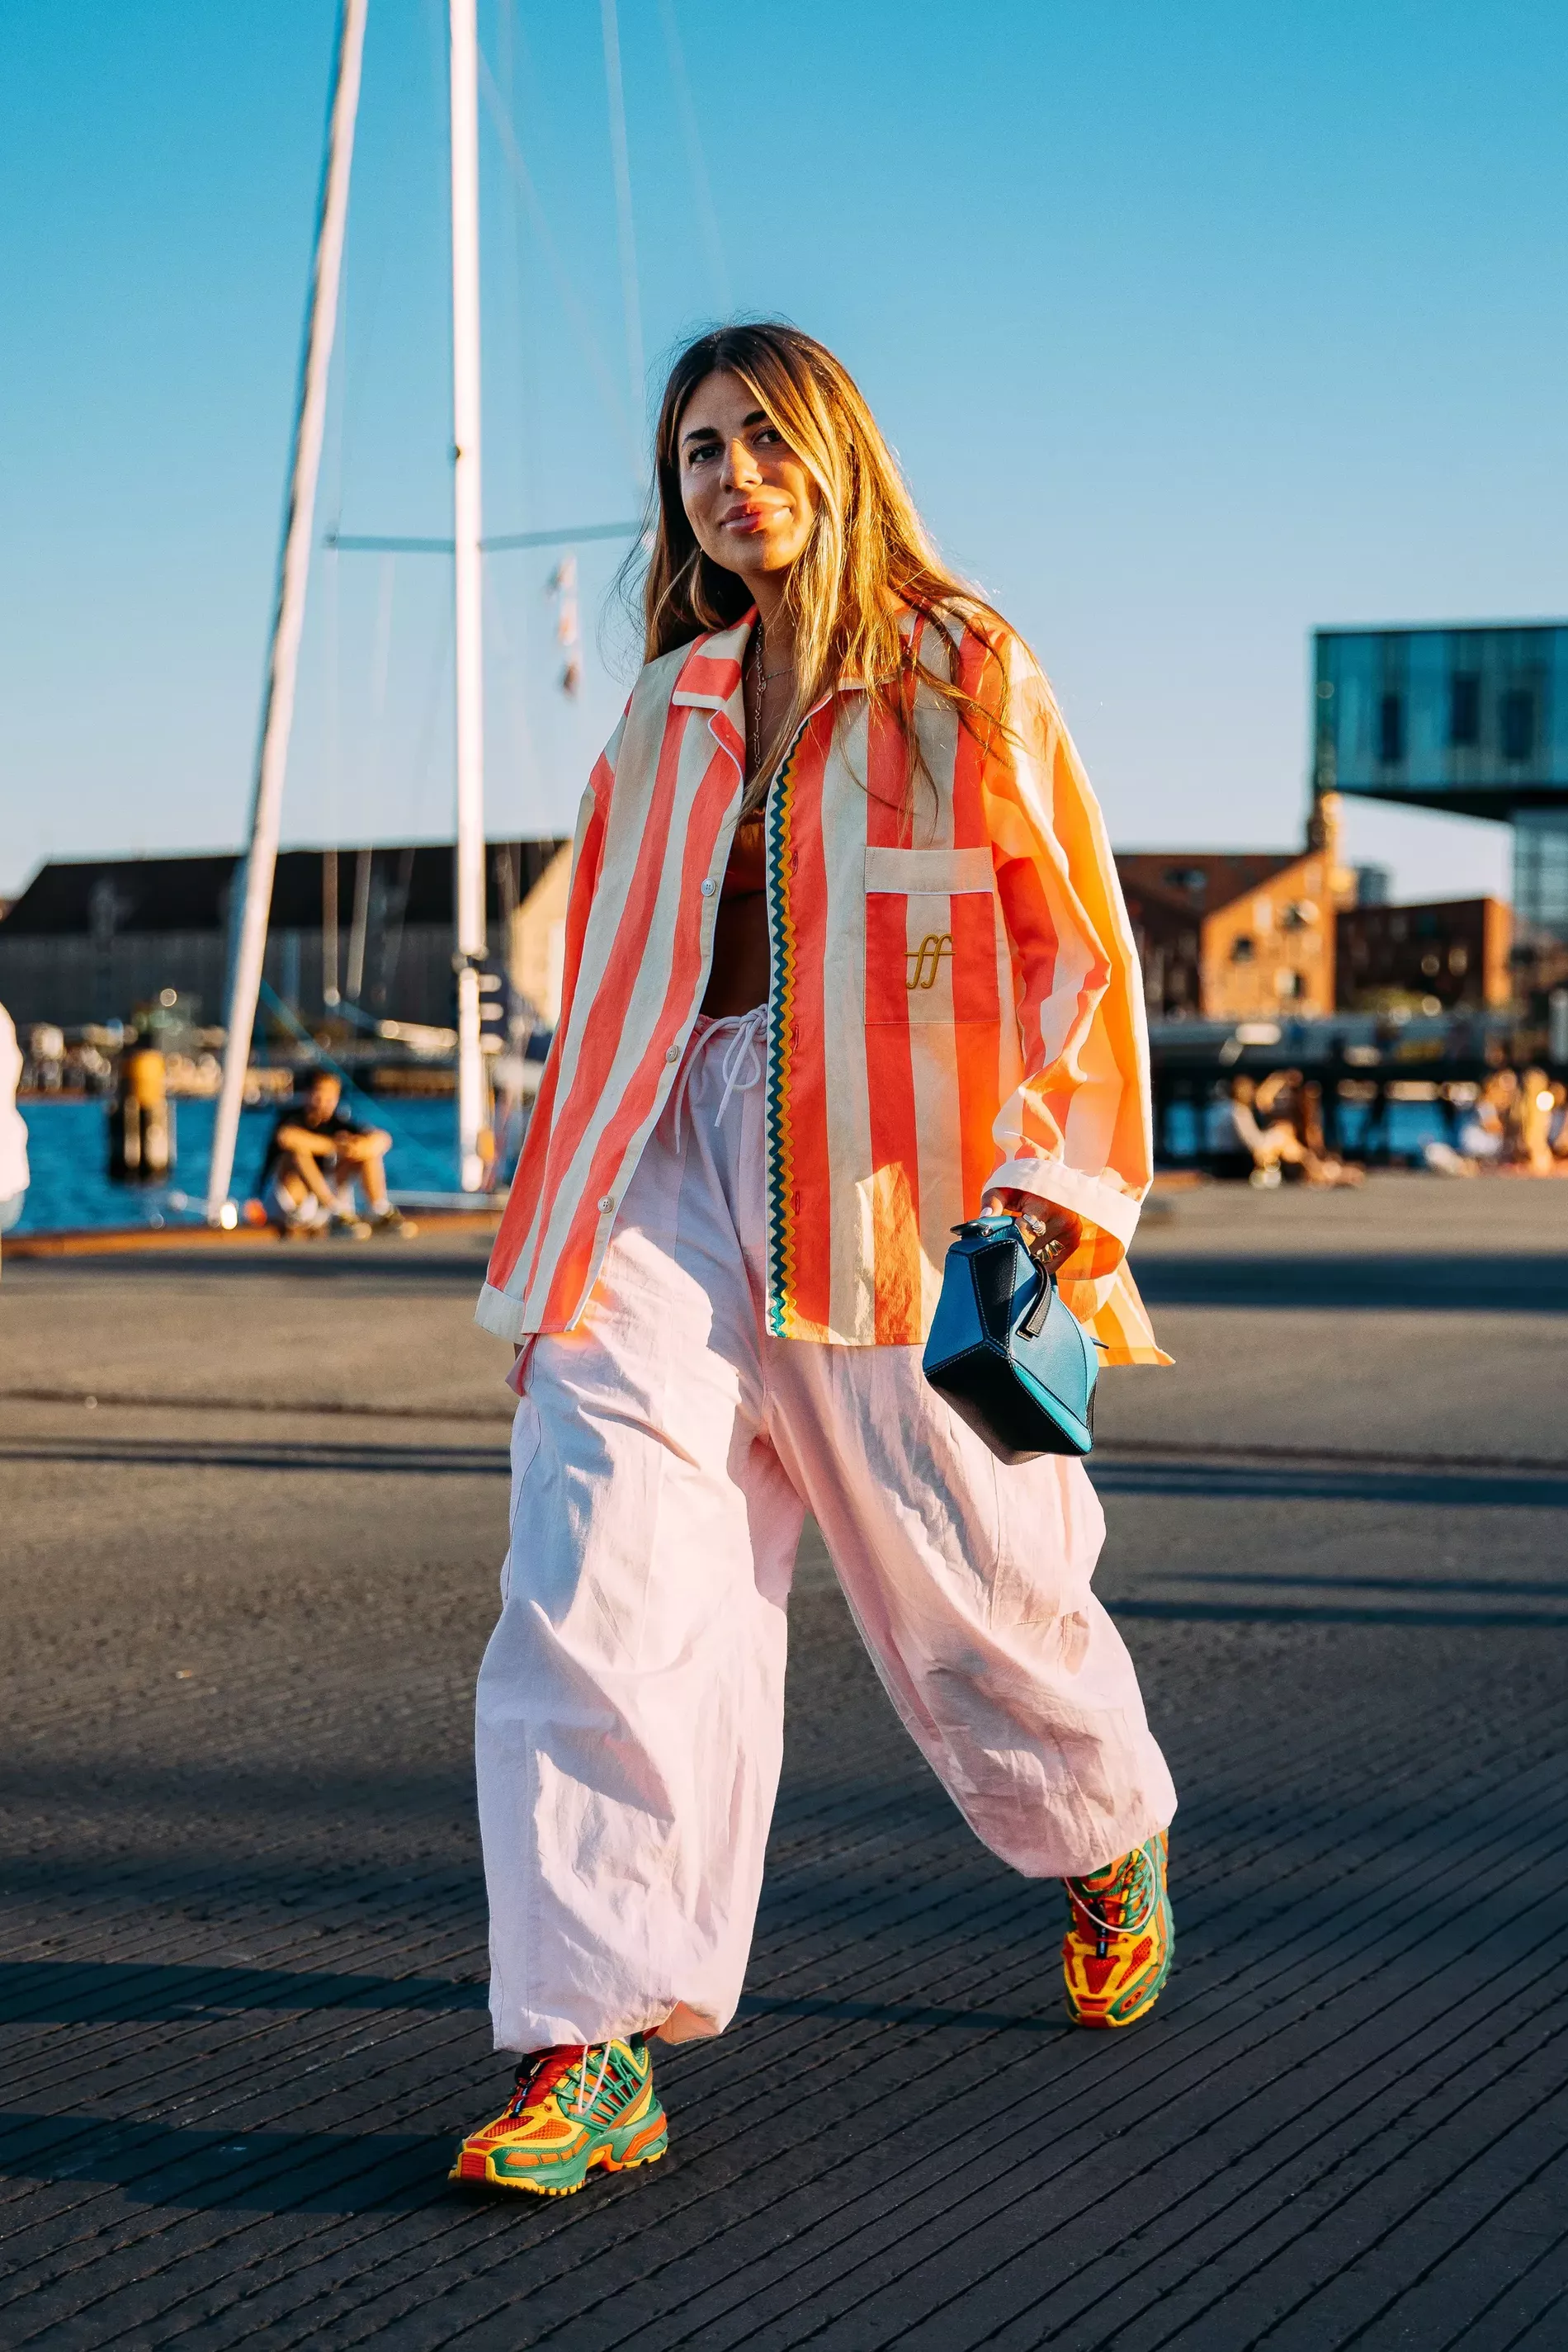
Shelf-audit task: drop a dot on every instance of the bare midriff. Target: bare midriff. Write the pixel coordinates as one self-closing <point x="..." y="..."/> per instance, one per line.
<point x="738" y="980"/>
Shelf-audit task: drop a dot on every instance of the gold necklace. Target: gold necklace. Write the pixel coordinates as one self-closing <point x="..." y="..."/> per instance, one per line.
<point x="762" y="679"/>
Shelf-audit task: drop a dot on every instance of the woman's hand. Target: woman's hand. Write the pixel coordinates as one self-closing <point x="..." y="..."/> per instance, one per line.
<point x="1049" y="1234"/>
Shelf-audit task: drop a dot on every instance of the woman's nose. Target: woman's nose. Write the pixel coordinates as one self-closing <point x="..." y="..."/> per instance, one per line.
<point x="740" y="466"/>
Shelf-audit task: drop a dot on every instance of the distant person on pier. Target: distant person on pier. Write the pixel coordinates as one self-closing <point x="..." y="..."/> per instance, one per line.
<point x="1535" y="1105"/>
<point x="14" y="1170"/>
<point x="141" y="1128"/>
<point x="847" y="962"/>
<point x="1280" y="1122"/>
<point x="315" y="1158"/>
<point x="1557" y="1128"/>
<point x="1514" y="1127"/>
<point x="1484" y="1137"/>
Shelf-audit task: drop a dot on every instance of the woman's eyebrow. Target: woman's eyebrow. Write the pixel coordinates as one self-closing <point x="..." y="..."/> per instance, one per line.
<point x="712" y="432"/>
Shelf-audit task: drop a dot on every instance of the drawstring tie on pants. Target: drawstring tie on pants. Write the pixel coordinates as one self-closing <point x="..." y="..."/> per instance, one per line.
<point x="741" y="1067"/>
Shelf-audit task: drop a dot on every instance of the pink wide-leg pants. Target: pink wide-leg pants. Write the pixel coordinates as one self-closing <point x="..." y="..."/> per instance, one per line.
<point x="631" y="1699"/>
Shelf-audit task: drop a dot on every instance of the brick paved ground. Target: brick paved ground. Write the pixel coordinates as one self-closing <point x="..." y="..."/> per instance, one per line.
<point x="241" y="1933"/>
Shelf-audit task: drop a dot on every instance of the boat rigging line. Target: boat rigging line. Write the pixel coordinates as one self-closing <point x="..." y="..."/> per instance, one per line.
<point x="626" y="233"/>
<point x="288" y="613"/>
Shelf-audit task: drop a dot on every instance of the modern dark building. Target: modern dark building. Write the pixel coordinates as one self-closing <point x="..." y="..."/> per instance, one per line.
<point x="1473" y="721"/>
<point x="89" y="940"/>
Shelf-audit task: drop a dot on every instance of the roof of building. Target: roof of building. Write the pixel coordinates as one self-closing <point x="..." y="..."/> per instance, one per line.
<point x="1201" y="881"/>
<point x="413" y="882"/>
<point x="1383" y="906"/>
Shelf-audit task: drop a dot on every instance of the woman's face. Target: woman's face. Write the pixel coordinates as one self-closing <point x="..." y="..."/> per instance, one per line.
<point x="748" y="498"/>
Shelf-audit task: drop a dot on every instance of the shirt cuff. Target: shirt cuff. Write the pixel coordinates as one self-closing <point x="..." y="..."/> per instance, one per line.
<point x="498" y="1313"/>
<point x="1115" y="1213"/>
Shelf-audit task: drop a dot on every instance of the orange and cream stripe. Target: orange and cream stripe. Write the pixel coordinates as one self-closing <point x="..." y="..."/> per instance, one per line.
<point x="954" y="1000"/>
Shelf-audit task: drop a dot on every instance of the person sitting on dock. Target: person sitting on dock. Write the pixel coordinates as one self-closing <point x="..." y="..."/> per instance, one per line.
<point x="1530" y="1140"/>
<point x="1278" y="1121"/>
<point x="1483" y="1137"/>
<point x="314" y="1158"/>
<point x="1557" y="1128"/>
<point x="13" y="1128"/>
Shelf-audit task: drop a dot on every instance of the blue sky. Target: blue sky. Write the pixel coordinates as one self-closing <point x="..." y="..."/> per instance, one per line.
<point x="1194" y="326"/>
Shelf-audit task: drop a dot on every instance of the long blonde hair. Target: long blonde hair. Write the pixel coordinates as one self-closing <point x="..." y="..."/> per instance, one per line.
<point x="868" y="558"/>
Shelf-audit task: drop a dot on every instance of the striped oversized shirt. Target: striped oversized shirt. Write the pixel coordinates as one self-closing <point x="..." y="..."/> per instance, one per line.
<point x="953" y="1005"/>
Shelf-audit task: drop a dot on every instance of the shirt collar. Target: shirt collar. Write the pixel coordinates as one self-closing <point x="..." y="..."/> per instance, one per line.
<point x="709" y="677"/>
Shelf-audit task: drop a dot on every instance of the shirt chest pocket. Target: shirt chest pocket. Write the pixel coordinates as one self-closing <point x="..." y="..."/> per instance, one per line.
<point x="931" y="937"/>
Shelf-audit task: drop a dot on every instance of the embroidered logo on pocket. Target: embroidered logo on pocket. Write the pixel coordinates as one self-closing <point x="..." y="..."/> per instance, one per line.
<point x="924" y="963"/>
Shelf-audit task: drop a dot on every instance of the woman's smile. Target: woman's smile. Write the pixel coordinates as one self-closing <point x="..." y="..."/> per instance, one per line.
<point x="754" y="517"/>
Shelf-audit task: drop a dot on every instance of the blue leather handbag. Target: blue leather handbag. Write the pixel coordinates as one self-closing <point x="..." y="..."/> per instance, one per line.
<point x="1010" y="1358"/>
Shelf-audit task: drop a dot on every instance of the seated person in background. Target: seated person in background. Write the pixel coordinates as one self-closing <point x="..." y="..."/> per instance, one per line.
<point x="1531" y="1139"/>
<point x="13" y="1128"/>
<point x="1267" y="1146"/>
<point x="1280" y="1122"/>
<point x="1483" y="1137"/>
<point x="315" y="1156"/>
<point x="1557" y="1127"/>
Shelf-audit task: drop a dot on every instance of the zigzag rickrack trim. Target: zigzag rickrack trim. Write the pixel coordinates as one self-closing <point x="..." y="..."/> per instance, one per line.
<point x="781" y="1009"/>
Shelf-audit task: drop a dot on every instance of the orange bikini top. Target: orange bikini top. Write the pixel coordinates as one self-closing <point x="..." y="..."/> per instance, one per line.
<point x="746" y="873"/>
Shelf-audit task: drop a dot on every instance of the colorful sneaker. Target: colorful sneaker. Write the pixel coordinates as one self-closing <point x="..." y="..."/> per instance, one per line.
<point x="573" y="2108"/>
<point x="1117" y="1952"/>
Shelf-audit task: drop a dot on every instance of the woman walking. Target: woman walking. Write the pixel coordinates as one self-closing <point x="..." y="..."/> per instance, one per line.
<point x="845" y="958"/>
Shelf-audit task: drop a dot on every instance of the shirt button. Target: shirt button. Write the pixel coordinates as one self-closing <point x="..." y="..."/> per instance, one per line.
<point x="608" y="1203"/>
<point x="673" y="1055"/>
<point x="708" y="887"/>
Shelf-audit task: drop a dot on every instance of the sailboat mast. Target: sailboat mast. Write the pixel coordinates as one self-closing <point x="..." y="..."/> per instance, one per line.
<point x="248" y="932"/>
<point x="467" y="585"/>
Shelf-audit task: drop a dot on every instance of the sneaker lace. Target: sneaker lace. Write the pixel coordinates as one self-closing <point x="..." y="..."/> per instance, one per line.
<point x="1120" y="1890"/>
<point x="581" y="2106"/>
<point x="544" y="2070"/>
<point x="539" y="2073"/>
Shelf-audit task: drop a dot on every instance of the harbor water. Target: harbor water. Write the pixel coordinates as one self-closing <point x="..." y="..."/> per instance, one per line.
<point x="67" y="1146"/>
<point x="68" y="1151"/>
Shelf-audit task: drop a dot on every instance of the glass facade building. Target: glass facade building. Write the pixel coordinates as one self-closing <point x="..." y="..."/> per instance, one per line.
<point x="1473" y="721"/>
<point x="1540" y="870"/>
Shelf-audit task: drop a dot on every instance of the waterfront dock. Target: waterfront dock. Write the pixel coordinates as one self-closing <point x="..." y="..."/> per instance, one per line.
<point x="255" y="1509"/>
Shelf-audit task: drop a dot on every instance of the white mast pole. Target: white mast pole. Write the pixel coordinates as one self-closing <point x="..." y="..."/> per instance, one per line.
<point x="468" y="586"/>
<point x="248" y="937"/>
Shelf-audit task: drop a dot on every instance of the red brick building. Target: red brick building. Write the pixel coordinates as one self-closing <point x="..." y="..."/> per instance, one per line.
<point x="1456" y="949"/>
<point x="1235" y="935"/>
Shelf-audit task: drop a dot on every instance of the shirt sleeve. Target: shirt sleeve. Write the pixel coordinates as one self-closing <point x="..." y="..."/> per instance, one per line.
<point x="500" y="1306"/>
<point x="1076" y="1129"/>
<point x="587" y="854"/>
